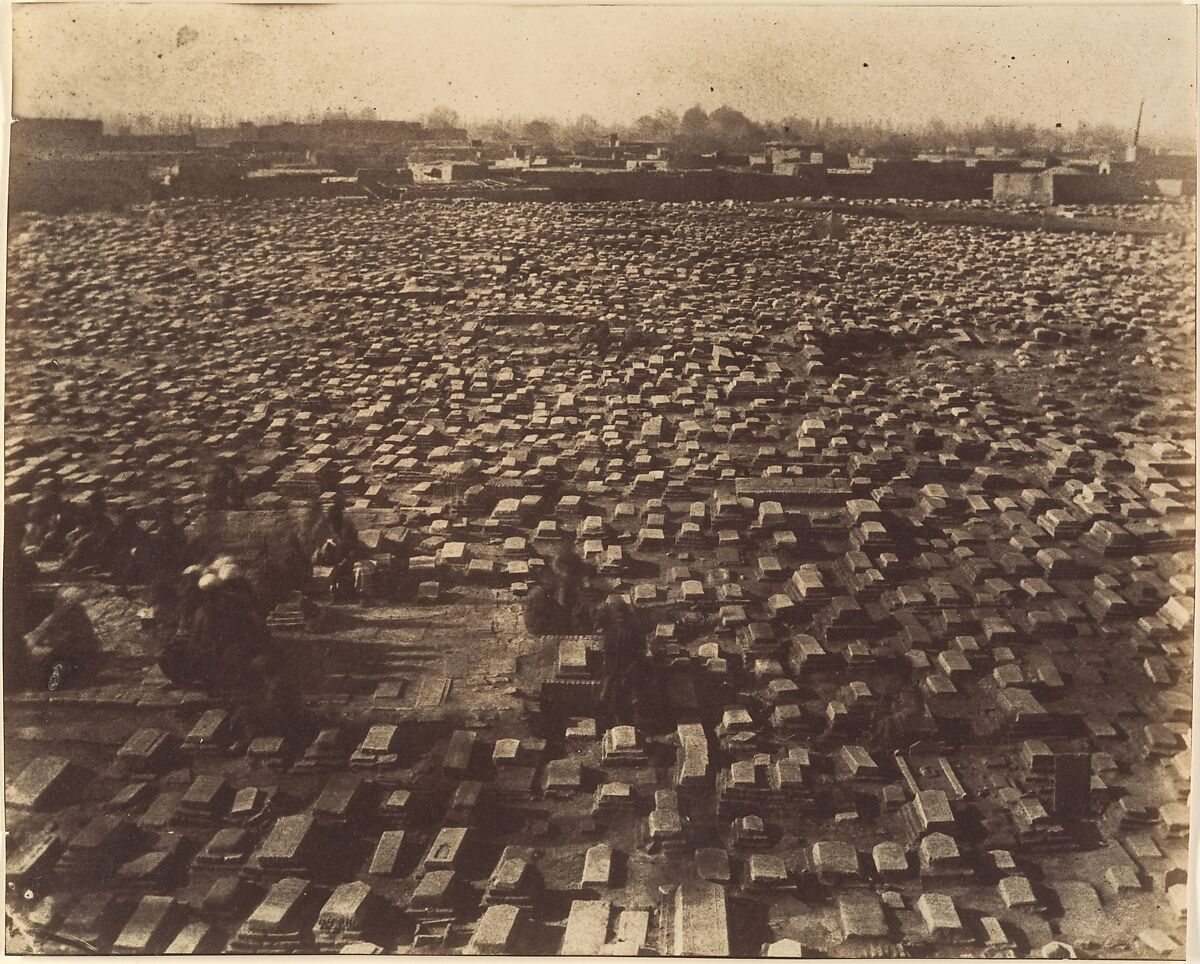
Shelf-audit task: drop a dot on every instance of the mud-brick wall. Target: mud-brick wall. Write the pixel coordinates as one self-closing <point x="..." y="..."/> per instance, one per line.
<point x="55" y="184"/>
<point x="674" y="186"/>
<point x="914" y="180"/>
<point x="1100" y="189"/>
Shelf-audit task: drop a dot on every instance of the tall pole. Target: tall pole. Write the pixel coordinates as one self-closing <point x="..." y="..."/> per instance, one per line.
<point x="1138" y="129"/>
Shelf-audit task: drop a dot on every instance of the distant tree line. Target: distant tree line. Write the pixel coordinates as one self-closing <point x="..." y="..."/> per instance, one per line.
<point x="728" y="129"/>
<point x="698" y="131"/>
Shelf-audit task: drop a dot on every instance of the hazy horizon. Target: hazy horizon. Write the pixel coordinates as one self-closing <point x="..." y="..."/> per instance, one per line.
<point x="900" y="66"/>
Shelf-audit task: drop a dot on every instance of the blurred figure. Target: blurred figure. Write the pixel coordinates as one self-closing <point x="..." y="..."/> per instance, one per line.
<point x="177" y="662"/>
<point x="557" y="605"/>
<point x="569" y="575"/>
<point x="340" y="549"/>
<point x="188" y="597"/>
<point x="631" y="339"/>
<point x="49" y="523"/>
<point x="64" y="642"/>
<point x="341" y="576"/>
<point x="226" y="631"/>
<point x="327" y="554"/>
<point x="223" y="491"/>
<point x="91" y="527"/>
<point x="330" y="524"/>
<point x="543" y="615"/>
<point x="20" y="571"/>
<point x="19" y="568"/>
<point x="365" y="572"/>
<point x="169" y="539"/>
<point x="274" y="710"/>
<point x="119" y="550"/>
<point x="624" y="656"/>
<point x="597" y="335"/>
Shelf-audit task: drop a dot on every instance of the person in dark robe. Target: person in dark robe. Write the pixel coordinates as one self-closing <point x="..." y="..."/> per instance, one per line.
<point x="568" y="583"/>
<point x="20" y="571"/>
<point x="228" y="631"/>
<point x="342" y="529"/>
<point x="341" y="576"/>
<point x="49" y="523"/>
<point x="339" y="547"/>
<point x="327" y="554"/>
<point x="248" y="616"/>
<point x="161" y="555"/>
<point x="178" y="662"/>
<point x="275" y="709"/>
<point x="223" y="491"/>
<point x="169" y="540"/>
<point x="85" y="541"/>
<point x="543" y="615"/>
<point x="18" y="566"/>
<point x="599" y="336"/>
<point x="61" y="644"/>
<point x="187" y="597"/>
<point x="624" y="658"/>
<point x="118" y="551"/>
<point x="630" y="340"/>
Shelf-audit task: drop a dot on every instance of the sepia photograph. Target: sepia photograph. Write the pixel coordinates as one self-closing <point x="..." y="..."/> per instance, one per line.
<point x="709" y="481"/>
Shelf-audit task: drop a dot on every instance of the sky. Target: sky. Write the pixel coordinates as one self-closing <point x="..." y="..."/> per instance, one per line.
<point x="1045" y="65"/>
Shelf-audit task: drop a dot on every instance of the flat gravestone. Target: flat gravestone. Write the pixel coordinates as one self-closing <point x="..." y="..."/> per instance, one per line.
<point x="597" y="866"/>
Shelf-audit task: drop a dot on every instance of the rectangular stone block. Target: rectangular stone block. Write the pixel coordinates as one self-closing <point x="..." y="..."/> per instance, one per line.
<point x="460" y="752"/>
<point x="495" y="930"/>
<point x="287" y="840"/>
<point x="386" y="859"/>
<point x="446" y="848"/>
<point x="597" y="866"/>
<point x="276" y="909"/>
<point x="38" y="782"/>
<point x="693" y="754"/>
<point x="700" y="927"/>
<point x="587" y="928"/>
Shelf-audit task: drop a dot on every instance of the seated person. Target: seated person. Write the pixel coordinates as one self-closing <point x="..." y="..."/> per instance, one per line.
<point x="341" y="578"/>
<point x="328" y="553"/>
<point x="85" y="541"/>
<point x="227" y="633"/>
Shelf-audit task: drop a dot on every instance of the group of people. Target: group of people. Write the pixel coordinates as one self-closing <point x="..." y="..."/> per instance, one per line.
<point x="599" y="336"/>
<point x="221" y="641"/>
<point x="127" y="544"/>
<point x="217" y="633"/>
<point x="222" y="644"/>
<point x="221" y="629"/>
<point x="559" y="606"/>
